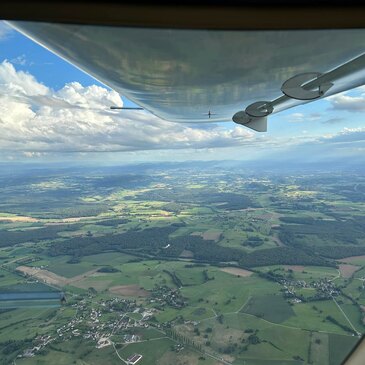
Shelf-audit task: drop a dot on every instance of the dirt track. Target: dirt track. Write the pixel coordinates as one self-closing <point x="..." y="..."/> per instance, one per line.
<point x="52" y="278"/>
<point x="43" y="275"/>
<point x="129" y="291"/>
<point x="18" y="219"/>
<point x="236" y="271"/>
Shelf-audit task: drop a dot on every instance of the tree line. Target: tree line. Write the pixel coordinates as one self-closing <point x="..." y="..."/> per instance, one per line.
<point x="155" y="242"/>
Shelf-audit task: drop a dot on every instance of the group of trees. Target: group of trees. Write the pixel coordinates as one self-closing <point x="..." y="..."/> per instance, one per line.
<point x="340" y="231"/>
<point x="149" y="240"/>
<point x="10" y="238"/>
<point x="112" y="222"/>
<point x="297" y="233"/>
<point x="108" y="269"/>
<point x="339" y="252"/>
<point x="206" y="276"/>
<point x="211" y="252"/>
<point x="253" y="241"/>
<point x="183" y="339"/>
<point x="175" y="279"/>
<point x="344" y="327"/>
<point x="155" y="242"/>
<point x="11" y="347"/>
<point x="282" y="256"/>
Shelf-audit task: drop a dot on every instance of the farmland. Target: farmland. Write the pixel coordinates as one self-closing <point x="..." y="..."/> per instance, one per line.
<point x="187" y="264"/>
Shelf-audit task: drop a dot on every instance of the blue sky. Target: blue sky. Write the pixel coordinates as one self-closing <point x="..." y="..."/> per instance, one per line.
<point x="40" y="124"/>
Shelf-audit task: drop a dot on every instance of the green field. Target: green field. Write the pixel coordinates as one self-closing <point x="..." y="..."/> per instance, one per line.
<point x="339" y="346"/>
<point x="151" y="350"/>
<point x="23" y="323"/>
<point x="276" y="342"/>
<point x="74" y="352"/>
<point x="143" y="251"/>
<point x="273" y="308"/>
<point x="60" y="266"/>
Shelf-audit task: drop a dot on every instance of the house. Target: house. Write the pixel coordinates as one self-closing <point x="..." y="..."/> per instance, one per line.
<point x="133" y="359"/>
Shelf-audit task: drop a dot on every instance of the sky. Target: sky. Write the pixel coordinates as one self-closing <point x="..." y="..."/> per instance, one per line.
<point x="52" y="111"/>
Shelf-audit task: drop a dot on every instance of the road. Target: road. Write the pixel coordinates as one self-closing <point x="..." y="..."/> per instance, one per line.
<point x="347" y="318"/>
<point x="116" y="351"/>
<point x="336" y="277"/>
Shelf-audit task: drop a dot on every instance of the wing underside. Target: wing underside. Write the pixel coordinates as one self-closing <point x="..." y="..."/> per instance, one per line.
<point x="180" y="75"/>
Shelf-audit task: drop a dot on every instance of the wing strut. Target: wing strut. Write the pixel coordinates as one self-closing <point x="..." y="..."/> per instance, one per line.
<point x="303" y="87"/>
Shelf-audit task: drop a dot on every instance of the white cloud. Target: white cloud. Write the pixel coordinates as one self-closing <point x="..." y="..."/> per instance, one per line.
<point x="349" y="103"/>
<point x="19" y="83"/>
<point x="20" y="60"/>
<point x="88" y="97"/>
<point x="343" y="147"/>
<point x="32" y="154"/>
<point x="35" y="119"/>
<point x="300" y="117"/>
<point x="296" y="117"/>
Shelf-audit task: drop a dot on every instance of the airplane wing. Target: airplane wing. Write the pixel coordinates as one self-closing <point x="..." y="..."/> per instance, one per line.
<point x="180" y="74"/>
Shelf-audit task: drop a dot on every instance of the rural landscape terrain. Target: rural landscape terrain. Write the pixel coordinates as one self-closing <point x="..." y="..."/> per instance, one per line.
<point x="181" y="263"/>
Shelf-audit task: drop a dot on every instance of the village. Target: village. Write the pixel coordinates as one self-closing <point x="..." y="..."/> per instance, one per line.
<point x="104" y="322"/>
<point x="322" y="289"/>
<point x="107" y="322"/>
<point x="165" y="296"/>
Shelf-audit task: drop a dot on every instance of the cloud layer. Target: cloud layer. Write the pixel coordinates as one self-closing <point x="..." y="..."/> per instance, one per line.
<point x="36" y="121"/>
<point x="349" y="103"/>
<point x="35" y="118"/>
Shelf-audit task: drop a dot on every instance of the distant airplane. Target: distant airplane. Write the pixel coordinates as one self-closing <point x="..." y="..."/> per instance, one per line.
<point x="209" y="114"/>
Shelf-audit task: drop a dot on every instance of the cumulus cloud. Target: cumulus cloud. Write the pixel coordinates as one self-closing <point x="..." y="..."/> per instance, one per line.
<point x="90" y="97"/>
<point x="19" y="83"/>
<point x="35" y="119"/>
<point x="347" y="135"/>
<point x="349" y="103"/>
